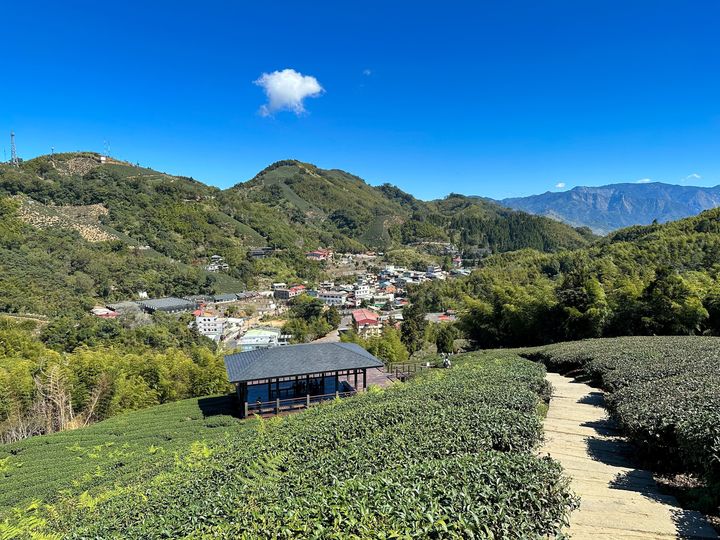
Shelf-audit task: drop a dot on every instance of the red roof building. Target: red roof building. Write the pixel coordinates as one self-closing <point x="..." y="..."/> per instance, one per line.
<point x="319" y="255"/>
<point x="367" y="323"/>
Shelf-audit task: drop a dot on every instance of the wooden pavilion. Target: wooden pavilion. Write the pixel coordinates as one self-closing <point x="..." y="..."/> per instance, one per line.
<point x="294" y="376"/>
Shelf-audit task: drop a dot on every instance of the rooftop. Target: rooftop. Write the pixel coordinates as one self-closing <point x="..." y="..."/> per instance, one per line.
<point x="362" y="315"/>
<point x="295" y="360"/>
<point x="264" y="331"/>
<point x="167" y="303"/>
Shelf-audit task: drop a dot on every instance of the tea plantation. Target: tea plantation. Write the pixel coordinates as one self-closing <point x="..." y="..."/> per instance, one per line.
<point x="664" y="391"/>
<point x="122" y="449"/>
<point x="447" y="455"/>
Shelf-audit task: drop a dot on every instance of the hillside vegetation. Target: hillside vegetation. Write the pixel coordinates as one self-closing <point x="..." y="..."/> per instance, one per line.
<point x="108" y="230"/>
<point x="55" y="272"/>
<point x="124" y="449"/>
<point x="449" y="454"/>
<point x="657" y="279"/>
<point x="76" y="373"/>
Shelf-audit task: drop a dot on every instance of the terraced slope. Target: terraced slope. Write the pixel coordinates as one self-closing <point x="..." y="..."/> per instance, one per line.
<point x="121" y="450"/>
<point x="449" y="454"/>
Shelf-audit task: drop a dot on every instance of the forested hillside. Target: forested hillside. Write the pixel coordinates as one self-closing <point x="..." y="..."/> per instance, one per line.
<point x="657" y="279"/>
<point x="72" y="373"/>
<point x="55" y="272"/>
<point x="77" y="230"/>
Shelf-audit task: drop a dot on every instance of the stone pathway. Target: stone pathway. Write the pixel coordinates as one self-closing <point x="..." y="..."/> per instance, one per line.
<point x="617" y="500"/>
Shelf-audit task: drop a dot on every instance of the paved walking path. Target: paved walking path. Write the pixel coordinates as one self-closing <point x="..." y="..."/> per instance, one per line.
<point x="617" y="500"/>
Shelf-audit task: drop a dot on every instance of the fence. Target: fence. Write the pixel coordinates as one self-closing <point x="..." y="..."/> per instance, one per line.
<point x="287" y="405"/>
<point x="404" y="371"/>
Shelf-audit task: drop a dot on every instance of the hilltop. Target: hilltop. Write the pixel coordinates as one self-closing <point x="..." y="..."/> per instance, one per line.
<point x="611" y="207"/>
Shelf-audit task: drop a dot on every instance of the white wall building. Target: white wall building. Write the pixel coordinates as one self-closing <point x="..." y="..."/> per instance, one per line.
<point x="363" y="291"/>
<point x="333" y="298"/>
<point x="210" y="325"/>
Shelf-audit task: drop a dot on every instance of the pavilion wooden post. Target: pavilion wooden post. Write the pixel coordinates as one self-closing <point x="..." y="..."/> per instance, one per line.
<point x="277" y="406"/>
<point x="307" y="401"/>
<point x="355" y="385"/>
<point x="245" y="413"/>
<point x="364" y="378"/>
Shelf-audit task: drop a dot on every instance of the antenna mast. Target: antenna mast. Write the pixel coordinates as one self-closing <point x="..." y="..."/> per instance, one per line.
<point x="13" y="153"/>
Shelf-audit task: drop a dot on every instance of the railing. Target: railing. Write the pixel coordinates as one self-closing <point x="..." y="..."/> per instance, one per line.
<point x="405" y="370"/>
<point x="287" y="405"/>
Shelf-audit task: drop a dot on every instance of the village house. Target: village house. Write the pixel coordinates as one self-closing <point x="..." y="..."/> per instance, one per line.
<point x="366" y="323"/>
<point x="333" y="298"/>
<point x="217" y="263"/>
<point x="209" y="324"/>
<point x="288" y="294"/>
<point x="319" y="255"/>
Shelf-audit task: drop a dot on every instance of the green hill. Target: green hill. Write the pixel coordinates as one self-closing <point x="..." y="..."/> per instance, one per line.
<point x="108" y="229"/>
<point x="644" y="280"/>
<point x="345" y="207"/>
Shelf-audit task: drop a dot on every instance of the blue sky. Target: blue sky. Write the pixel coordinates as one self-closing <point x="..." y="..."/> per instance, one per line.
<point x="494" y="98"/>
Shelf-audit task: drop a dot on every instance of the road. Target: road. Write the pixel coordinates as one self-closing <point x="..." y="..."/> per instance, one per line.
<point x="334" y="336"/>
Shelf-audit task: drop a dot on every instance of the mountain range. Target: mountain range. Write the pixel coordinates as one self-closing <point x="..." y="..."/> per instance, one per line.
<point x="607" y="208"/>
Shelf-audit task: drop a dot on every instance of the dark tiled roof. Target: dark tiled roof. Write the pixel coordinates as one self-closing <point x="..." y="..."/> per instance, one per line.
<point x="169" y="303"/>
<point x="297" y="360"/>
<point x="229" y="297"/>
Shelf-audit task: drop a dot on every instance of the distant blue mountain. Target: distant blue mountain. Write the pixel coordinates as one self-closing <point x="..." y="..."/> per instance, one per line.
<point x="615" y="206"/>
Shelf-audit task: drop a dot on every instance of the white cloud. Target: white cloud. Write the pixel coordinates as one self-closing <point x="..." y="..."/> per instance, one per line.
<point x="560" y="185"/>
<point x="286" y="90"/>
<point x="644" y="181"/>
<point x="367" y="72"/>
<point x="693" y="176"/>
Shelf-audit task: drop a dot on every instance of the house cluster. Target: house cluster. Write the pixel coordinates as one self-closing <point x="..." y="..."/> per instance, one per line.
<point x="217" y="264"/>
<point x="214" y="315"/>
<point x="385" y="290"/>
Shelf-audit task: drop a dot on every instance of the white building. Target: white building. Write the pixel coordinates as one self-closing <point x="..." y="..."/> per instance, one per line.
<point x="333" y="298"/>
<point x="262" y="338"/>
<point x="209" y="325"/>
<point x="363" y="291"/>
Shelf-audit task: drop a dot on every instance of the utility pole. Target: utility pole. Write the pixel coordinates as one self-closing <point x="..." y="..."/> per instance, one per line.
<point x="13" y="153"/>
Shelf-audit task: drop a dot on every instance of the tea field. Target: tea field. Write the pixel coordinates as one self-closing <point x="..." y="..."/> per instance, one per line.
<point x="449" y="454"/>
<point x="663" y="390"/>
<point x="122" y="449"/>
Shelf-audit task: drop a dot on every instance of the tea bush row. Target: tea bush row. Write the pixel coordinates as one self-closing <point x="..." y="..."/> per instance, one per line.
<point x="663" y="390"/>
<point x="122" y="448"/>
<point x="449" y="454"/>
